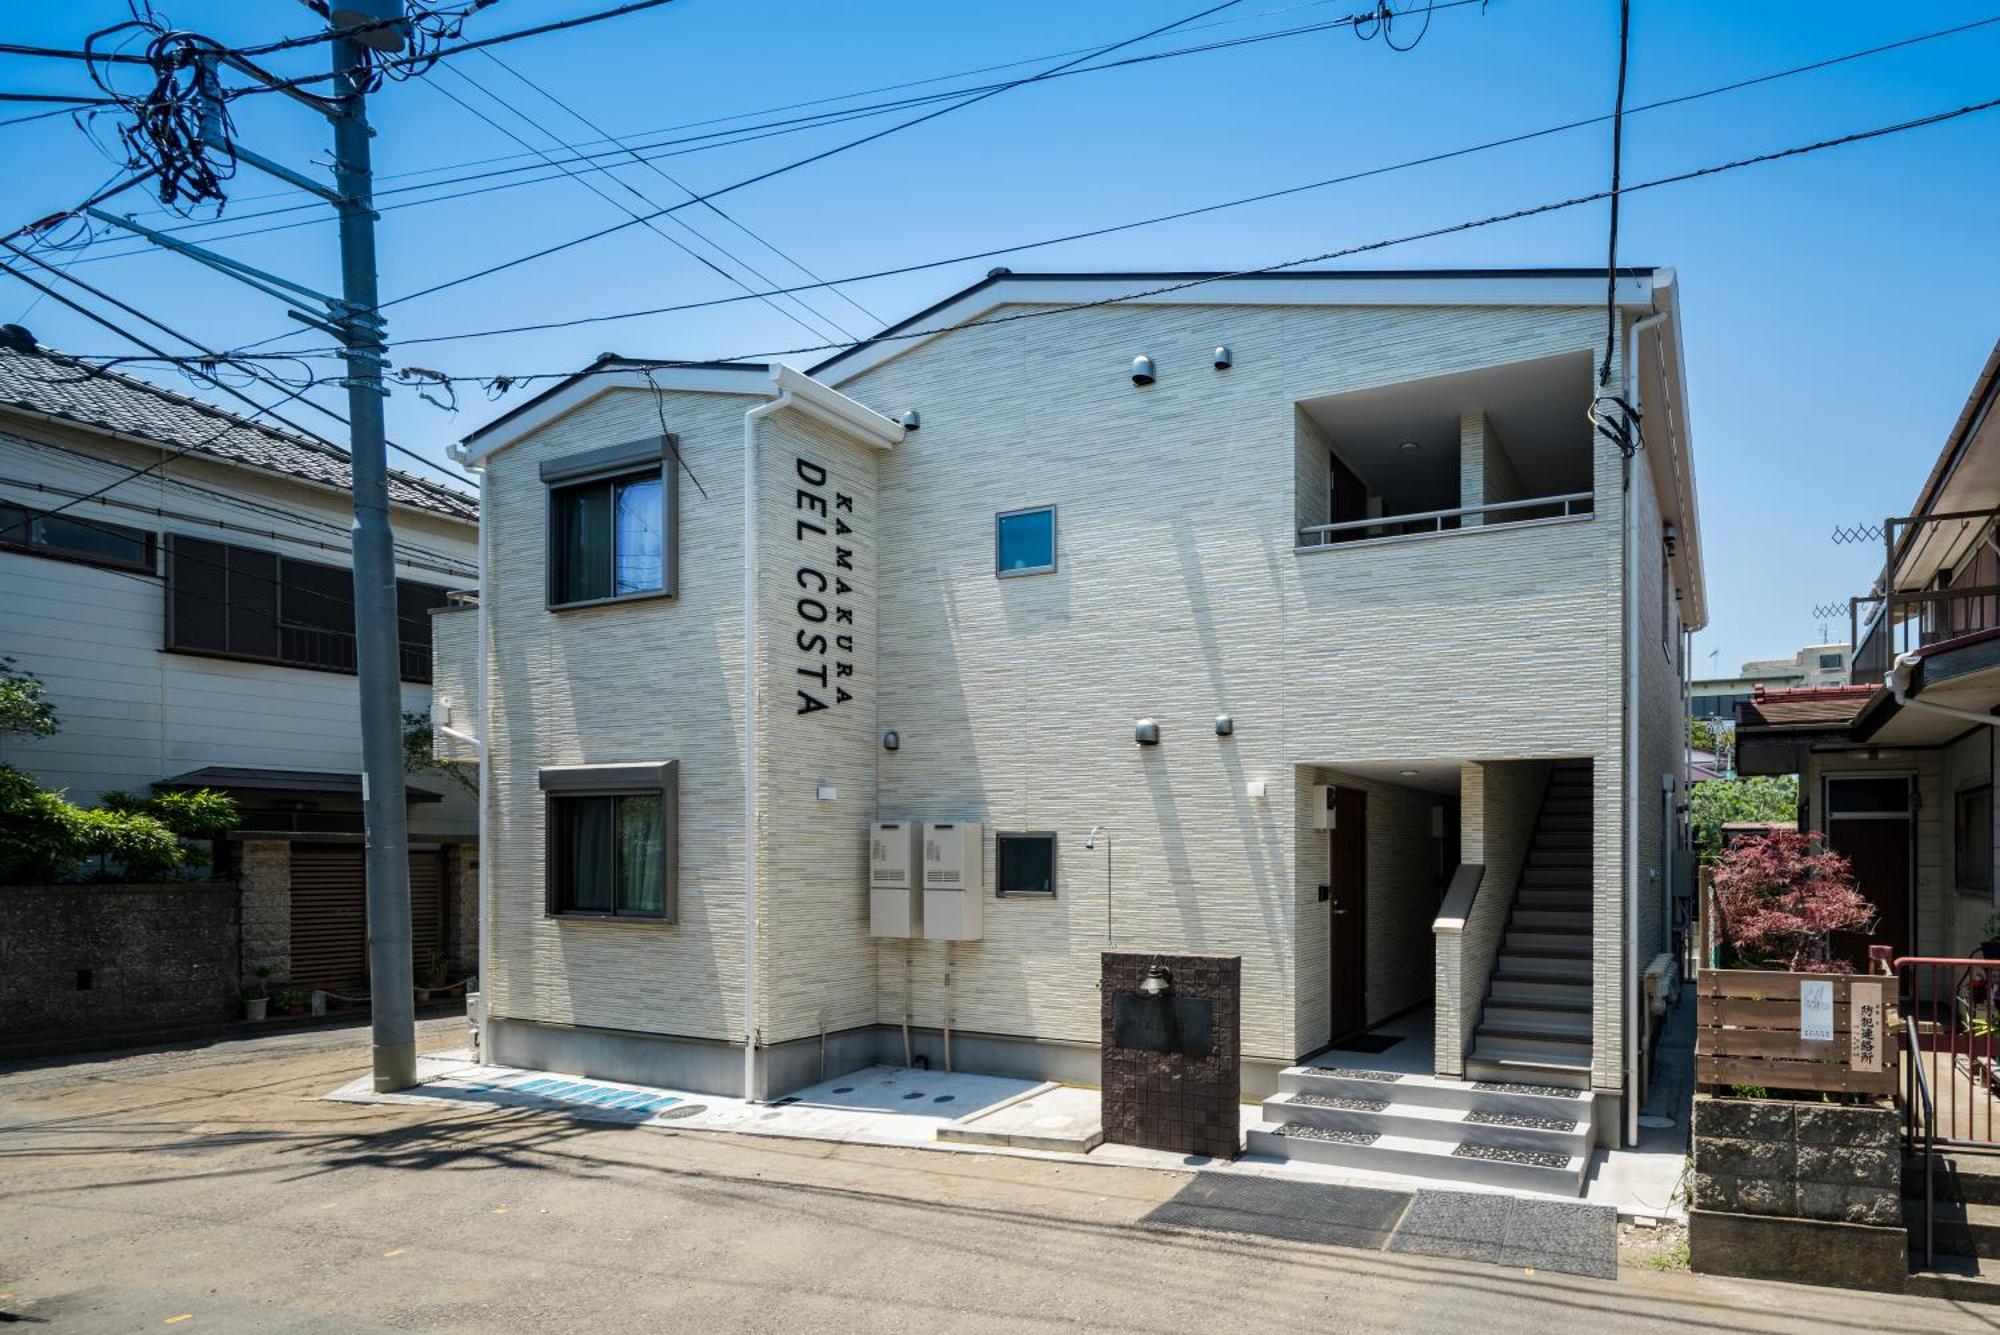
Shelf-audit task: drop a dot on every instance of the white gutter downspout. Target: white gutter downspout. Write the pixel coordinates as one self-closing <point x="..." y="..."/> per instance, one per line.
<point x="750" y="420"/>
<point x="484" y="914"/>
<point x="1634" y="998"/>
<point x="1898" y="682"/>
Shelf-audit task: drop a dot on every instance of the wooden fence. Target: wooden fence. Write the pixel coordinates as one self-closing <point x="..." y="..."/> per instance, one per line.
<point x="1795" y="1031"/>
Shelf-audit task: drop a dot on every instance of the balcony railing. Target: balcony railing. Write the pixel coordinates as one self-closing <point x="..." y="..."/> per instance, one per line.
<point x="1916" y="620"/>
<point x="1570" y="505"/>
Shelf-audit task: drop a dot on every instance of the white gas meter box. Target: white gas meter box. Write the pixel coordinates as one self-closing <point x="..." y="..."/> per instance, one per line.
<point x="1323" y="797"/>
<point x="895" y="891"/>
<point x="954" y="880"/>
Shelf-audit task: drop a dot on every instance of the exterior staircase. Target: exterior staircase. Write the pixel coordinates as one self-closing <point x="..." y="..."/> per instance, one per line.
<point x="1518" y="1137"/>
<point x="1523" y="1118"/>
<point x="1535" y="1025"/>
<point x="1965" y="1236"/>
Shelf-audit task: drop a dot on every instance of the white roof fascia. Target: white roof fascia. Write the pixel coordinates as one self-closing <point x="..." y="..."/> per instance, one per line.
<point x="686" y="379"/>
<point x="830" y="406"/>
<point x="1324" y="290"/>
<point x="1672" y="450"/>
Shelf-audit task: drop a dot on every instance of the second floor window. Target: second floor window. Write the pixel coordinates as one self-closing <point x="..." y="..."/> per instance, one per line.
<point x="612" y="515"/>
<point x="241" y="602"/>
<point x="69" y="538"/>
<point x="1024" y="541"/>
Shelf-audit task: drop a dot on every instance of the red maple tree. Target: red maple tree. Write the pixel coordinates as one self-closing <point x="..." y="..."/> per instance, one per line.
<point x="1780" y="897"/>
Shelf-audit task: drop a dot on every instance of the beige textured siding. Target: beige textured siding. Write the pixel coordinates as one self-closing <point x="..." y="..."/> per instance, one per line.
<point x="637" y="682"/>
<point x="455" y="680"/>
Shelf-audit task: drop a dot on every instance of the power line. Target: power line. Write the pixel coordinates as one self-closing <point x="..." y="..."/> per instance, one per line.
<point x="211" y="355"/>
<point x="652" y="224"/>
<point x="1451" y="229"/>
<point x="677" y="183"/>
<point x="1617" y="166"/>
<point x="717" y="139"/>
<point x="1178" y="214"/>
<point x="820" y="156"/>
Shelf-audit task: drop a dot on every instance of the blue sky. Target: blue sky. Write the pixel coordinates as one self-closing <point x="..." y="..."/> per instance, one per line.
<point x="1837" y="307"/>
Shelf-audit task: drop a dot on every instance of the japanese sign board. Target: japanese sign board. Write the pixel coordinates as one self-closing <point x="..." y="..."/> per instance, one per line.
<point x="1865" y="1026"/>
<point x="1816" y="1010"/>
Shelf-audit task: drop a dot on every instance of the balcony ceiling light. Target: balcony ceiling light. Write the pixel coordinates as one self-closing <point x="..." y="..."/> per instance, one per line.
<point x="1410" y="446"/>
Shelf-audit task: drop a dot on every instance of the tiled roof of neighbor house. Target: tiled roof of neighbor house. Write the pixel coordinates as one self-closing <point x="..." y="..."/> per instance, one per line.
<point x="53" y="385"/>
<point x="1804" y="707"/>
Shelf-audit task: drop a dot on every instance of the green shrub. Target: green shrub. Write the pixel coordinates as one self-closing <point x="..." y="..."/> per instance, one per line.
<point x="44" y="837"/>
<point x="23" y="708"/>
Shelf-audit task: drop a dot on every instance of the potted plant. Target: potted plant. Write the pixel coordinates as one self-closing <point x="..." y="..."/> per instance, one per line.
<point x="256" y="997"/>
<point x="290" y="1002"/>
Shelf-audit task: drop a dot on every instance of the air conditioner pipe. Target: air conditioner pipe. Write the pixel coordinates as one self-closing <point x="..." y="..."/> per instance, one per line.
<point x="908" y="975"/>
<point x="1898" y="683"/>
<point x="750" y="421"/>
<point x="947" y="1007"/>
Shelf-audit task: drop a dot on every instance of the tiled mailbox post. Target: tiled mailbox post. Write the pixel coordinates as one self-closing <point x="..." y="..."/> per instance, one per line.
<point x="1172" y="1045"/>
<point x="1799" y="1191"/>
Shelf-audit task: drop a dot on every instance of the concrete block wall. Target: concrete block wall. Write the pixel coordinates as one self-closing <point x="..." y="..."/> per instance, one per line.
<point x="264" y="872"/>
<point x="1798" y="1160"/>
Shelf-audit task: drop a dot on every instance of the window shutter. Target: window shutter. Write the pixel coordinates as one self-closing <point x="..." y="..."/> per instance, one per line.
<point x="197" y="594"/>
<point x="253" y="603"/>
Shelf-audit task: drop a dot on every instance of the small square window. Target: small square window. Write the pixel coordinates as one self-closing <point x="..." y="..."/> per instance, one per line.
<point x="1024" y="541"/>
<point x="1025" y="864"/>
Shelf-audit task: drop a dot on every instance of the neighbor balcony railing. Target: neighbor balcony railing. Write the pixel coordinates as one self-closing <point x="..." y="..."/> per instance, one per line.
<point x="1882" y="626"/>
<point x="1570" y="505"/>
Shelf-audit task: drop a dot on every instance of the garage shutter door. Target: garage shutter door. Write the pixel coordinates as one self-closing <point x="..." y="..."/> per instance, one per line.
<point x="330" y="914"/>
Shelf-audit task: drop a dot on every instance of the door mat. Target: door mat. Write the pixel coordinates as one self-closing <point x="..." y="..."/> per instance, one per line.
<point x="1366" y="1043"/>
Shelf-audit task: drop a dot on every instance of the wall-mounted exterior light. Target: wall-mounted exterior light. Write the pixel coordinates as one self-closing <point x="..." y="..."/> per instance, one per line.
<point x="1255" y="790"/>
<point x="892" y="740"/>
<point x="1142" y="370"/>
<point x="1224" y="725"/>
<point x="827" y="792"/>
<point x="1146" y="732"/>
<point x="1158" y="981"/>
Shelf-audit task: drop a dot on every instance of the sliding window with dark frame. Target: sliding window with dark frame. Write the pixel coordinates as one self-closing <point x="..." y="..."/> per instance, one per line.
<point x="613" y="516"/>
<point x="613" y="841"/>
<point x="226" y="601"/>
<point x="67" y="537"/>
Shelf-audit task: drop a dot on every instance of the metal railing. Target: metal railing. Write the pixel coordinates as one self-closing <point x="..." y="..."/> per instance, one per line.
<point x="1919" y="1087"/>
<point x="319" y="647"/>
<point x="1953" y="1016"/>
<point x="1916" y="620"/>
<point x="1569" y="505"/>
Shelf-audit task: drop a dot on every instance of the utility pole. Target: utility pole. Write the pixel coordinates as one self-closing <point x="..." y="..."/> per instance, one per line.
<point x="377" y="650"/>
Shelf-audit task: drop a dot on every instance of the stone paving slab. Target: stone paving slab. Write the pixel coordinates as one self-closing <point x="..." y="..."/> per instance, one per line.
<point x="1566" y="1236"/>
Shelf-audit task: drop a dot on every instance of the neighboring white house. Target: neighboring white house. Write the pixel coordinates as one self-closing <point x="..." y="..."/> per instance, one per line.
<point x="1154" y="589"/>
<point x="178" y="577"/>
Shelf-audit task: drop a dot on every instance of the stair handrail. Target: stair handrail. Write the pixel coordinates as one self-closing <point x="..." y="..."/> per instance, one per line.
<point x="1919" y="1083"/>
<point x="1459" y="897"/>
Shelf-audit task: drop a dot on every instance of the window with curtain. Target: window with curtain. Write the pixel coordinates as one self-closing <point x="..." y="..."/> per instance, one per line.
<point x="608" y="855"/>
<point x="608" y="538"/>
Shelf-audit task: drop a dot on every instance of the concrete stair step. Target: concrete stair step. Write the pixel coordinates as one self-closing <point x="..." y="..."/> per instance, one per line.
<point x="1550" y="920"/>
<point x="1521" y="1055"/>
<point x="1539" y="992"/>
<point x="1561" y="1048"/>
<point x="1548" y="876"/>
<point x="1420" y="1121"/>
<point x="1542" y="968"/>
<point x="1418" y="1157"/>
<point x="1536" y="1022"/>
<point x="1959" y="1279"/>
<point x="1566" y="835"/>
<point x="1961" y="1175"/>
<point x="1966" y="1230"/>
<point x="1567" y="900"/>
<point x="1404" y="1091"/>
<point x="1539" y="857"/>
<point x="1564" y="945"/>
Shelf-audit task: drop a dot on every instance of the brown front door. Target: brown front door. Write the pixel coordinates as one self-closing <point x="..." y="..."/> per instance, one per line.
<point x="1868" y="822"/>
<point x="1348" y="920"/>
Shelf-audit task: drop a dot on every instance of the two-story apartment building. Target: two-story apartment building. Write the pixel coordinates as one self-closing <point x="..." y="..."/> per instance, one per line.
<point x="1301" y="617"/>
<point x="178" y="577"/>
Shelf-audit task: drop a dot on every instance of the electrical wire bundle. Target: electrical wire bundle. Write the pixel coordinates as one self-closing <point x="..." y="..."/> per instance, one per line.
<point x="180" y="132"/>
<point x="1382" y="23"/>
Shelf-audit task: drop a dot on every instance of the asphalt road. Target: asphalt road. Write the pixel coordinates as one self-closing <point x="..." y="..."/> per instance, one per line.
<point x="212" y="1190"/>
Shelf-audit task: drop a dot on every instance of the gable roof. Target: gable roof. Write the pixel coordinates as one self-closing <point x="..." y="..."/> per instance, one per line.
<point x="1804" y="707"/>
<point x="49" y="384"/>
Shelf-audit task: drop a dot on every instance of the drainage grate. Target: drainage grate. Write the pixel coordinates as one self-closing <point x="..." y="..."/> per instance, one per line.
<point x="944" y="1098"/>
<point x="1338" y="1135"/>
<point x="844" y="1089"/>
<point x="1516" y="1119"/>
<point x="1334" y="1101"/>
<point x="1532" y="1158"/>
<point x="913" y="1094"/>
